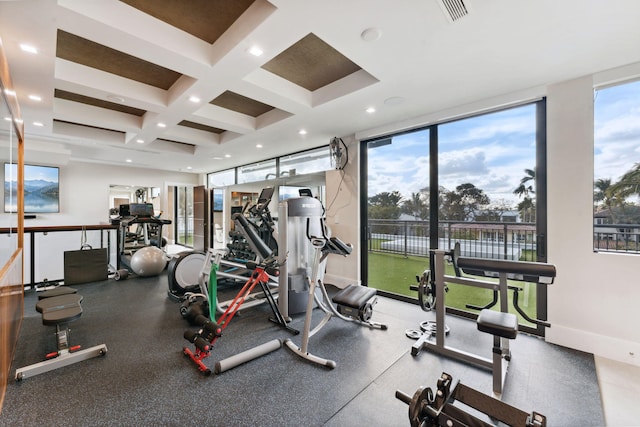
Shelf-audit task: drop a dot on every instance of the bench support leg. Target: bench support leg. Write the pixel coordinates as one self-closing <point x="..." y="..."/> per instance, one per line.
<point x="500" y="364"/>
<point x="65" y="358"/>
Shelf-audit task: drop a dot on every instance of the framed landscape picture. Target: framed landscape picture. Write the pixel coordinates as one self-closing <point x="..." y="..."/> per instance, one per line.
<point x="41" y="188"/>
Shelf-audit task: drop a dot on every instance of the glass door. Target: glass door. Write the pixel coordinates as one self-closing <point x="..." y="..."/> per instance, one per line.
<point x="478" y="182"/>
<point x="184" y="215"/>
<point x="397" y="211"/>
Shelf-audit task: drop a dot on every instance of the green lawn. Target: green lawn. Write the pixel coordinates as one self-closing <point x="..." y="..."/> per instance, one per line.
<point x="395" y="273"/>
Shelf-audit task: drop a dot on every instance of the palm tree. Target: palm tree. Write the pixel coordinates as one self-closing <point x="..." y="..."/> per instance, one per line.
<point x="601" y="190"/>
<point x="527" y="207"/>
<point x="523" y="189"/>
<point x="604" y="194"/>
<point x="629" y="183"/>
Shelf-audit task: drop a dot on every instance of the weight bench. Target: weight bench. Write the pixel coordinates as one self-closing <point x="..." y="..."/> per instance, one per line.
<point x="59" y="307"/>
<point x="502" y="326"/>
<point x="356" y="302"/>
<point x="56" y="292"/>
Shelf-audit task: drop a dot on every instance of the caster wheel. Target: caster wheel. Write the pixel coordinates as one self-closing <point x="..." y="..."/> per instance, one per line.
<point x="103" y="352"/>
<point x="207" y="372"/>
<point x="19" y="377"/>
<point x="121" y="274"/>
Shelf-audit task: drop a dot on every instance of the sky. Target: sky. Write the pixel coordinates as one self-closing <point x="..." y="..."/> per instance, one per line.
<point x="617" y="130"/>
<point x="492" y="151"/>
<point x="31" y="173"/>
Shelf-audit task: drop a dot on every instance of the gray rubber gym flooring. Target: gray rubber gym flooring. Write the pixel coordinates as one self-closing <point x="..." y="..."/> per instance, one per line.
<point x="145" y="380"/>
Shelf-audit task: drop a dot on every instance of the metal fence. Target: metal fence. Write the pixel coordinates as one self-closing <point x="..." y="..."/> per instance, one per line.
<point x="616" y="238"/>
<point x="498" y="240"/>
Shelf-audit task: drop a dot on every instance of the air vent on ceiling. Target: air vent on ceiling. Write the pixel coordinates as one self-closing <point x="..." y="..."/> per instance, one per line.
<point x="454" y="9"/>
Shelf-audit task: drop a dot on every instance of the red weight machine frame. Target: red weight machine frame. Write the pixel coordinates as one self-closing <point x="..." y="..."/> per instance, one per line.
<point x="210" y="330"/>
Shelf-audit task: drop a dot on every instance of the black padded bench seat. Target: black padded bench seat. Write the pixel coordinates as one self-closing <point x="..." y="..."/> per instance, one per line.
<point x="60" y="309"/>
<point x="56" y="292"/>
<point x="354" y="296"/>
<point x="60" y="306"/>
<point x="496" y="323"/>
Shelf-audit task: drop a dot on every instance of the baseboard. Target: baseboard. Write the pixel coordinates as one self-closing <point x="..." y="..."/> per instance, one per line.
<point x="600" y="345"/>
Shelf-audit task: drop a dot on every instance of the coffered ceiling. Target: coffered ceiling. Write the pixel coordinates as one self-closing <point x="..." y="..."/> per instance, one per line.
<point x="172" y="84"/>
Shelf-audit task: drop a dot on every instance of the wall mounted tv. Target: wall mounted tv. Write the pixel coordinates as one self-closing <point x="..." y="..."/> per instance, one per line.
<point x="41" y="188"/>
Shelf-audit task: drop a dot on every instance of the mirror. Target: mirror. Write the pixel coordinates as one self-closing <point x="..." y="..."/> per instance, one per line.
<point x="8" y="144"/>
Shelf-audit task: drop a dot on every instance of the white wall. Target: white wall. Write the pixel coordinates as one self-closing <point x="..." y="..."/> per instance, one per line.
<point x="343" y="217"/>
<point x="84" y="190"/>
<point x="593" y="304"/>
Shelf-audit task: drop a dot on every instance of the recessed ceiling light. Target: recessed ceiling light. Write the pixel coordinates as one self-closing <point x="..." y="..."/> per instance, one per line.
<point x="194" y="99"/>
<point x="255" y="51"/>
<point x="394" y="100"/>
<point x="302" y="132"/>
<point x="35" y="98"/>
<point x="370" y="110"/>
<point x="227" y="155"/>
<point x="216" y="158"/>
<point x="28" y="48"/>
<point x="128" y="160"/>
<point x="140" y="141"/>
<point x="189" y="168"/>
<point x="258" y="145"/>
<point x="371" y="34"/>
<point x="38" y="124"/>
<point x="162" y="125"/>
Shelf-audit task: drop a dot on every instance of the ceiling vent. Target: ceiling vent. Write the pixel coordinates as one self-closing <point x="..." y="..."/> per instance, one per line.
<point x="454" y="9"/>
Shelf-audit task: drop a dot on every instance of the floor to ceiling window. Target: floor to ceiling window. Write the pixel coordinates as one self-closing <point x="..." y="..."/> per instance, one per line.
<point x="616" y="214"/>
<point x="477" y="181"/>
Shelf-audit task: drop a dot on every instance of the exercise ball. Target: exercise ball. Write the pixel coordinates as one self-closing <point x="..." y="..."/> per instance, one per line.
<point x="148" y="261"/>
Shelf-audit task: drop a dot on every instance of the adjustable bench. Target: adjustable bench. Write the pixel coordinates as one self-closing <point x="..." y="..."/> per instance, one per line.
<point x="59" y="307"/>
<point x="500" y="325"/>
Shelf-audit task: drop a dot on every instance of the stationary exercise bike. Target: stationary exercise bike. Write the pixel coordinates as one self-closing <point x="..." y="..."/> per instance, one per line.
<point x="210" y="330"/>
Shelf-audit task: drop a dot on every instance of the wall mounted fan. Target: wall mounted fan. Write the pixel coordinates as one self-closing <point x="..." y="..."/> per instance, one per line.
<point x="338" y="153"/>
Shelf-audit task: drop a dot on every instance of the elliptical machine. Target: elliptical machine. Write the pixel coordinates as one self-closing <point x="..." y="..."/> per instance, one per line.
<point x="353" y="303"/>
